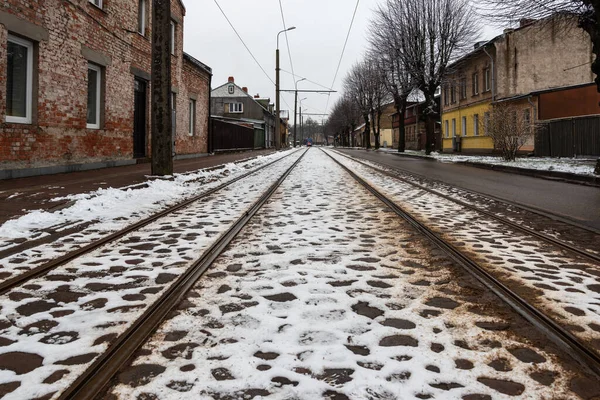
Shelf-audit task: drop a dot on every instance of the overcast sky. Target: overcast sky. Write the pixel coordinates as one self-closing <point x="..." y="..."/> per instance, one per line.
<point x="315" y="46"/>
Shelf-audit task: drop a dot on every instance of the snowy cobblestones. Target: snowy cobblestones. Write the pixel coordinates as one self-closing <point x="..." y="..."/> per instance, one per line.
<point x="561" y="285"/>
<point x="53" y="327"/>
<point x="328" y="294"/>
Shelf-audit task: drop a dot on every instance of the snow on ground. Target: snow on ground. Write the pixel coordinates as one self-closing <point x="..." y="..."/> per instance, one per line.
<point x="328" y="294"/>
<point x="577" y="166"/>
<point x="564" y="287"/>
<point x="54" y="326"/>
<point x="114" y="207"/>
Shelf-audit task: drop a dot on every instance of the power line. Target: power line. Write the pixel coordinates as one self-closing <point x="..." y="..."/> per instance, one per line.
<point x="343" y="50"/>
<point x="306" y="79"/>
<point x="287" y="43"/>
<point x="244" y="43"/>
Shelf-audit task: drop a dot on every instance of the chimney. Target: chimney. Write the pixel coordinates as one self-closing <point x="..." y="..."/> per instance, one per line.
<point x="231" y="80"/>
<point x="245" y="89"/>
<point x="257" y="96"/>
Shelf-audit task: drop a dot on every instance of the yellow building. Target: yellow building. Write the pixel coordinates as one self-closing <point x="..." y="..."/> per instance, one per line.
<point x="467" y="127"/>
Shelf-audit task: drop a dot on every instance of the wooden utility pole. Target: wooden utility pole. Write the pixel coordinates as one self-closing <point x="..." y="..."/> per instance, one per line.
<point x="161" y="112"/>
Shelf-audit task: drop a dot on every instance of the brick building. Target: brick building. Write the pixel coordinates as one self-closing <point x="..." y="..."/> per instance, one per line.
<point x="74" y="85"/>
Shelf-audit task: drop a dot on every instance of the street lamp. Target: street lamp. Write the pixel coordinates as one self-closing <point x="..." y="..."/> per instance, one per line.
<point x="277" y="110"/>
<point x="296" y="107"/>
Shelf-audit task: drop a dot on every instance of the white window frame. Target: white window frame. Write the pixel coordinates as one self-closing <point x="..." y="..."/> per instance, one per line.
<point x="142" y="6"/>
<point x="29" y="85"/>
<point x="192" y="118"/>
<point x="476" y="124"/>
<point x="236" y="108"/>
<point x="173" y="30"/>
<point x="98" y="96"/>
<point x="487" y="79"/>
<point x="464" y="126"/>
<point x="446" y="125"/>
<point x="486" y="123"/>
<point x="97" y="3"/>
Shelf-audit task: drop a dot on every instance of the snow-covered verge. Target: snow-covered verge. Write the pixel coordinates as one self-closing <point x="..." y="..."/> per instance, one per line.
<point x="114" y="208"/>
<point x="329" y="295"/>
<point x="577" y="166"/>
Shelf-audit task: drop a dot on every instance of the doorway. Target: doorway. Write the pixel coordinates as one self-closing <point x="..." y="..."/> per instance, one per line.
<point x="139" y="118"/>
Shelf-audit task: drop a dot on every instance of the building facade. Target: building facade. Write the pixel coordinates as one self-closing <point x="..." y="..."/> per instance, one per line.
<point x="538" y="55"/>
<point x="75" y="90"/>
<point x="232" y="102"/>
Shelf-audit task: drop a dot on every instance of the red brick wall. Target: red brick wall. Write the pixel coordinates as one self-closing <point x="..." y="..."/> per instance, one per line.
<point x="196" y="84"/>
<point x="58" y="134"/>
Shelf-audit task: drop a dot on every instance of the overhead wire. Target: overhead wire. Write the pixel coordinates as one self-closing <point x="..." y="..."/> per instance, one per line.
<point x="306" y="79"/>
<point x="287" y="42"/>
<point x="244" y="43"/>
<point x="343" y="51"/>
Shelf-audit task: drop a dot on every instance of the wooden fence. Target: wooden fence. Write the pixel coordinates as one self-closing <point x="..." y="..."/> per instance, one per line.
<point x="229" y="136"/>
<point x="568" y="137"/>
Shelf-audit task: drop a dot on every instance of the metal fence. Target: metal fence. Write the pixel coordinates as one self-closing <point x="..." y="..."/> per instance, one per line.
<point x="228" y="136"/>
<point x="568" y="137"/>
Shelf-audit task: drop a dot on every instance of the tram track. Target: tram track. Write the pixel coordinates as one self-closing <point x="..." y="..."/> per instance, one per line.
<point x="43" y="269"/>
<point x="98" y="375"/>
<point x="548" y="239"/>
<point x="580" y="351"/>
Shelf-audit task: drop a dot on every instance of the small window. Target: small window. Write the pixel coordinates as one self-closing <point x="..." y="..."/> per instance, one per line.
<point x="453" y="128"/>
<point x="173" y="30"/>
<point x="463" y="88"/>
<point x="486" y="123"/>
<point x="192" y="116"/>
<point x="446" y="128"/>
<point x="231" y="89"/>
<point x="94" y="99"/>
<point x="476" y="124"/>
<point x="97" y="3"/>
<point x="452" y="94"/>
<point x="236" y="108"/>
<point x="475" y="84"/>
<point x="446" y="98"/>
<point x="464" y="126"/>
<point x="19" y="80"/>
<point x="486" y="79"/>
<point x="142" y="17"/>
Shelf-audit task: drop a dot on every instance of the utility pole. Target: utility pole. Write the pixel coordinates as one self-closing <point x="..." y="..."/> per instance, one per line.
<point x="277" y="107"/>
<point x="295" y="108"/>
<point x="162" y="128"/>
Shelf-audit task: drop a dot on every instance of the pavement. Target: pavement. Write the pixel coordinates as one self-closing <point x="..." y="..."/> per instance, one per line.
<point x="18" y="196"/>
<point x="575" y="203"/>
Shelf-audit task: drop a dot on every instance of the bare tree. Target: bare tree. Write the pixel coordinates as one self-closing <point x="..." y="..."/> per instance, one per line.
<point x="357" y="87"/>
<point x="509" y="127"/>
<point x="386" y="44"/>
<point x="432" y="33"/>
<point x="584" y="12"/>
<point x="343" y="120"/>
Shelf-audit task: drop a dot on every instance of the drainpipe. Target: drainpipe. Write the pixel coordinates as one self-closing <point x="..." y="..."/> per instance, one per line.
<point x="209" y="140"/>
<point x="493" y="74"/>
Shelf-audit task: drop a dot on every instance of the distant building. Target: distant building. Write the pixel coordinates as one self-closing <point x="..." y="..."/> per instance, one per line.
<point x="76" y="86"/>
<point x="232" y="103"/>
<point x="535" y="57"/>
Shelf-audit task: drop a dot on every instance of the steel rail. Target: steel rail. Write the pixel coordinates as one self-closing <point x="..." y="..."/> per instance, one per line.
<point x="40" y="270"/>
<point x="549" y="327"/>
<point x="553" y="241"/>
<point x="532" y="209"/>
<point x="99" y="374"/>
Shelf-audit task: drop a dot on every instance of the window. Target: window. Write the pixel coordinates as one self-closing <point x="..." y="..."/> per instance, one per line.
<point x="230" y="89"/>
<point x="453" y="128"/>
<point x="142" y="17"/>
<point x="93" y="98"/>
<point x="446" y="128"/>
<point x="463" y="88"/>
<point x="173" y="30"/>
<point x="192" y="116"/>
<point x="476" y="124"/>
<point x="464" y="126"/>
<point x="452" y="95"/>
<point x="97" y="3"/>
<point x="486" y="123"/>
<point x="475" y="84"/>
<point x="236" y="108"/>
<point x="446" y="96"/>
<point x="486" y="80"/>
<point x="19" y="80"/>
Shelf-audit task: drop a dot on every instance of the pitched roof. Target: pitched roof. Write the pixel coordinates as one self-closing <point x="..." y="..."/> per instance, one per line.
<point x="197" y="63"/>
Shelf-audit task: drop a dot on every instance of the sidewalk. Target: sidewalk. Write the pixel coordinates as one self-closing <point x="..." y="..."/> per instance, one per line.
<point x="18" y="196"/>
<point x="578" y="170"/>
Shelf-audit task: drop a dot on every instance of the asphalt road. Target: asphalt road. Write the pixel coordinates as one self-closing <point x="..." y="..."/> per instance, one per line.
<point x="576" y="203"/>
